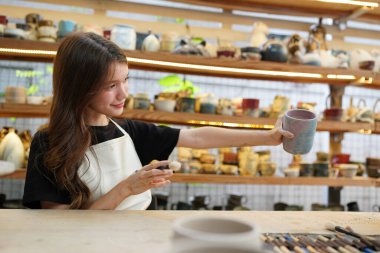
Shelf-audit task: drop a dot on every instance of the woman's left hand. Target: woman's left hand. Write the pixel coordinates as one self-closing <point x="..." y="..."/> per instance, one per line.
<point x="277" y="133"/>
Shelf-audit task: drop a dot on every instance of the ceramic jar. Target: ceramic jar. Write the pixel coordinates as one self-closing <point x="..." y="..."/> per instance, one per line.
<point x="16" y="95"/>
<point x="33" y="19"/>
<point x="150" y="43"/>
<point x="361" y="59"/>
<point x="169" y="41"/>
<point x="275" y="50"/>
<point x="141" y="101"/>
<point x="251" y="107"/>
<point x="47" y="31"/>
<point x="12" y="149"/>
<point x="65" y="27"/>
<point x="124" y="36"/>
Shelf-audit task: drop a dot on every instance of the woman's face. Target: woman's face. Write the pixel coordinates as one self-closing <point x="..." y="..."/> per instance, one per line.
<point x="110" y="99"/>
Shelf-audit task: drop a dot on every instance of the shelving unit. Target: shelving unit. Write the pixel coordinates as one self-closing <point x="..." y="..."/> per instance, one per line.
<point x="232" y="179"/>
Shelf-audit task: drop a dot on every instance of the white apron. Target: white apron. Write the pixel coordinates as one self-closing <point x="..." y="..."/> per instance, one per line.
<point x="107" y="164"/>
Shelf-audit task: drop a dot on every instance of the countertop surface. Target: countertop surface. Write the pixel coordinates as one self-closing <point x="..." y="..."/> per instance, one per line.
<point x="146" y="231"/>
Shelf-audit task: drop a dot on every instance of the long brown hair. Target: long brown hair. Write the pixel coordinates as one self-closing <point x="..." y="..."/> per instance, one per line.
<point x="81" y="66"/>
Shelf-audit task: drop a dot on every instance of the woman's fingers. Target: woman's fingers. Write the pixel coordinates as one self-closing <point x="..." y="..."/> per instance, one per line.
<point x="155" y="165"/>
<point x="160" y="183"/>
<point x="287" y="134"/>
<point x="155" y="173"/>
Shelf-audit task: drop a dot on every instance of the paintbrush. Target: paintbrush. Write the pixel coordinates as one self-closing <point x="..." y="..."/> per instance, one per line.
<point x="372" y="244"/>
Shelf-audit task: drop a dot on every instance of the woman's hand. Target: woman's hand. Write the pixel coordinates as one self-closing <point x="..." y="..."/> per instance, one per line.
<point x="277" y="133"/>
<point x="146" y="178"/>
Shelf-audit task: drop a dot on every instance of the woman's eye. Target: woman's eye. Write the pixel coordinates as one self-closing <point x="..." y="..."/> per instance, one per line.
<point x="111" y="86"/>
<point x="126" y="79"/>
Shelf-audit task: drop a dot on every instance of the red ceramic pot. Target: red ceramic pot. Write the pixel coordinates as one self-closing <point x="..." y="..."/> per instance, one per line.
<point x="333" y="114"/>
<point x="250" y="103"/>
<point x="3" y="20"/>
<point x="341" y="158"/>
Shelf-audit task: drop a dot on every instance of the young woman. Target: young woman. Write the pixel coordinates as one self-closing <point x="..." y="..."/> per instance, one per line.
<point x="85" y="159"/>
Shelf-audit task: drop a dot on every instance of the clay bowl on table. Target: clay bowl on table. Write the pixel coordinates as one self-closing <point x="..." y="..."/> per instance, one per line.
<point x="227" y="53"/>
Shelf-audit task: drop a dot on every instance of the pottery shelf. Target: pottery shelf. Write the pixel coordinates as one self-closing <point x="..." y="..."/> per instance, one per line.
<point x="186" y="64"/>
<point x="232" y="179"/>
<point x="191" y="119"/>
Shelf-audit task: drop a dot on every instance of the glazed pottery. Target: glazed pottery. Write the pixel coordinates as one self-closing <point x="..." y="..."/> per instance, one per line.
<point x="150" y="43"/>
<point x="124" y="36"/>
<point x="14" y="94"/>
<point x="65" y="27"/>
<point x="251" y="107"/>
<point x="302" y="124"/>
<point x="359" y="56"/>
<point x="348" y="170"/>
<point x="259" y="35"/>
<point x="169" y="41"/>
<point x="166" y="105"/>
<point x="12" y="149"/>
<point x="141" y="101"/>
<point x="321" y="169"/>
<point x="341" y="158"/>
<point x="306" y="169"/>
<point x="291" y="172"/>
<point x="186" y="104"/>
<point x="275" y="50"/>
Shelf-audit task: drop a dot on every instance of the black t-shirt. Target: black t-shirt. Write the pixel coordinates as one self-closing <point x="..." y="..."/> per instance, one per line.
<point x="151" y="143"/>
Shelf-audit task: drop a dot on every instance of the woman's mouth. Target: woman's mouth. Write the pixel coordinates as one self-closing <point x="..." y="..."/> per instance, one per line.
<point x="121" y="105"/>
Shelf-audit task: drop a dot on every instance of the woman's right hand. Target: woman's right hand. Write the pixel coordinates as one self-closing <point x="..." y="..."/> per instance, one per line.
<point x="146" y="178"/>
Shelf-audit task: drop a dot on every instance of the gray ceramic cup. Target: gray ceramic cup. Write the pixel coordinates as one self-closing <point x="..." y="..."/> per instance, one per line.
<point x="301" y="123"/>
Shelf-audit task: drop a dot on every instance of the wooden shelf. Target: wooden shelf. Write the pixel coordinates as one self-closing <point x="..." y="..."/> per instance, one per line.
<point x="156" y="61"/>
<point x="230" y="179"/>
<point x="191" y="119"/>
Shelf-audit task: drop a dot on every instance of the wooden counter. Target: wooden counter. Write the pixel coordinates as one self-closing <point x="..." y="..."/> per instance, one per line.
<point x="145" y="231"/>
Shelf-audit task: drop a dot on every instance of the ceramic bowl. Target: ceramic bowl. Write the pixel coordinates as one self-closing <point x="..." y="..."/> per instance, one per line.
<point x="209" y="168"/>
<point x="166" y="105"/>
<point x="367" y="65"/>
<point x="373" y="161"/>
<point x="306" y="169"/>
<point x="267" y="169"/>
<point x="373" y="171"/>
<point x="47" y="32"/>
<point x="291" y="172"/>
<point x="34" y="100"/>
<point x="348" y="170"/>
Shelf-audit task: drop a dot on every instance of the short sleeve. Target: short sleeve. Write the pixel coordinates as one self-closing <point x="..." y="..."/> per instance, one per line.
<point x="151" y="142"/>
<point x="39" y="183"/>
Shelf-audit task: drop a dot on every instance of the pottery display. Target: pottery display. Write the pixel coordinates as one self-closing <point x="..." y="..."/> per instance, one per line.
<point x="166" y="105"/>
<point x="296" y="49"/>
<point x="186" y="104"/>
<point x="169" y="41"/>
<point x="317" y="37"/>
<point x="150" y="43"/>
<point x="141" y="101"/>
<point x="191" y="46"/>
<point x="259" y="35"/>
<point x="124" y="36"/>
<point x="321" y="169"/>
<point x="65" y="27"/>
<point x="15" y="94"/>
<point x="360" y="58"/>
<point x="275" y="50"/>
<point x="12" y="149"/>
<point x="250" y="107"/>
<point x="251" y="53"/>
<point x="347" y="170"/>
<point x="306" y="169"/>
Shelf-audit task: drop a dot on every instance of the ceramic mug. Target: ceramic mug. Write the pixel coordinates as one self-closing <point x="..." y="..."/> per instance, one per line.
<point x="303" y="124"/>
<point x="216" y="231"/>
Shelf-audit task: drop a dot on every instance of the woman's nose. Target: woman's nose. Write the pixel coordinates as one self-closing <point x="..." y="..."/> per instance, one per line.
<point x="123" y="92"/>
